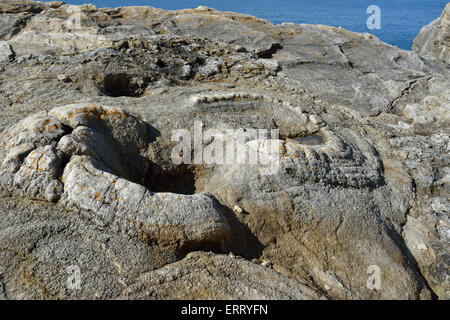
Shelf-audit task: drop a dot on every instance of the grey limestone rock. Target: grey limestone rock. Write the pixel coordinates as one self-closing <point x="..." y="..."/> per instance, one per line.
<point x="433" y="41"/>
<point x="88" y="183"/>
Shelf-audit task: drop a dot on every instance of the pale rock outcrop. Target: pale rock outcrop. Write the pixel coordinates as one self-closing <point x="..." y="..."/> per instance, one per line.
<point x="5" y="51"/>
<point x="433" y="41"/>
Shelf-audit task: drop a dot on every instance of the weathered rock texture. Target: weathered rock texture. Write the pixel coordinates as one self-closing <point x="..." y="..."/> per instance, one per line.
<point x="432" y="41"/>
<point x="90" y="98"/>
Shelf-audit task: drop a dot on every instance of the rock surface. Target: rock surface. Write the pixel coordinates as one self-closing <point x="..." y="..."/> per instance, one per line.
<point x="433" y="40"/>
<point x="90" y="98"/>
<point x="203" y="275"/>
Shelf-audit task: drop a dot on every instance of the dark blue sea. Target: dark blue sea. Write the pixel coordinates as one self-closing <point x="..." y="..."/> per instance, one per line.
<point x="401" y="20"/>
